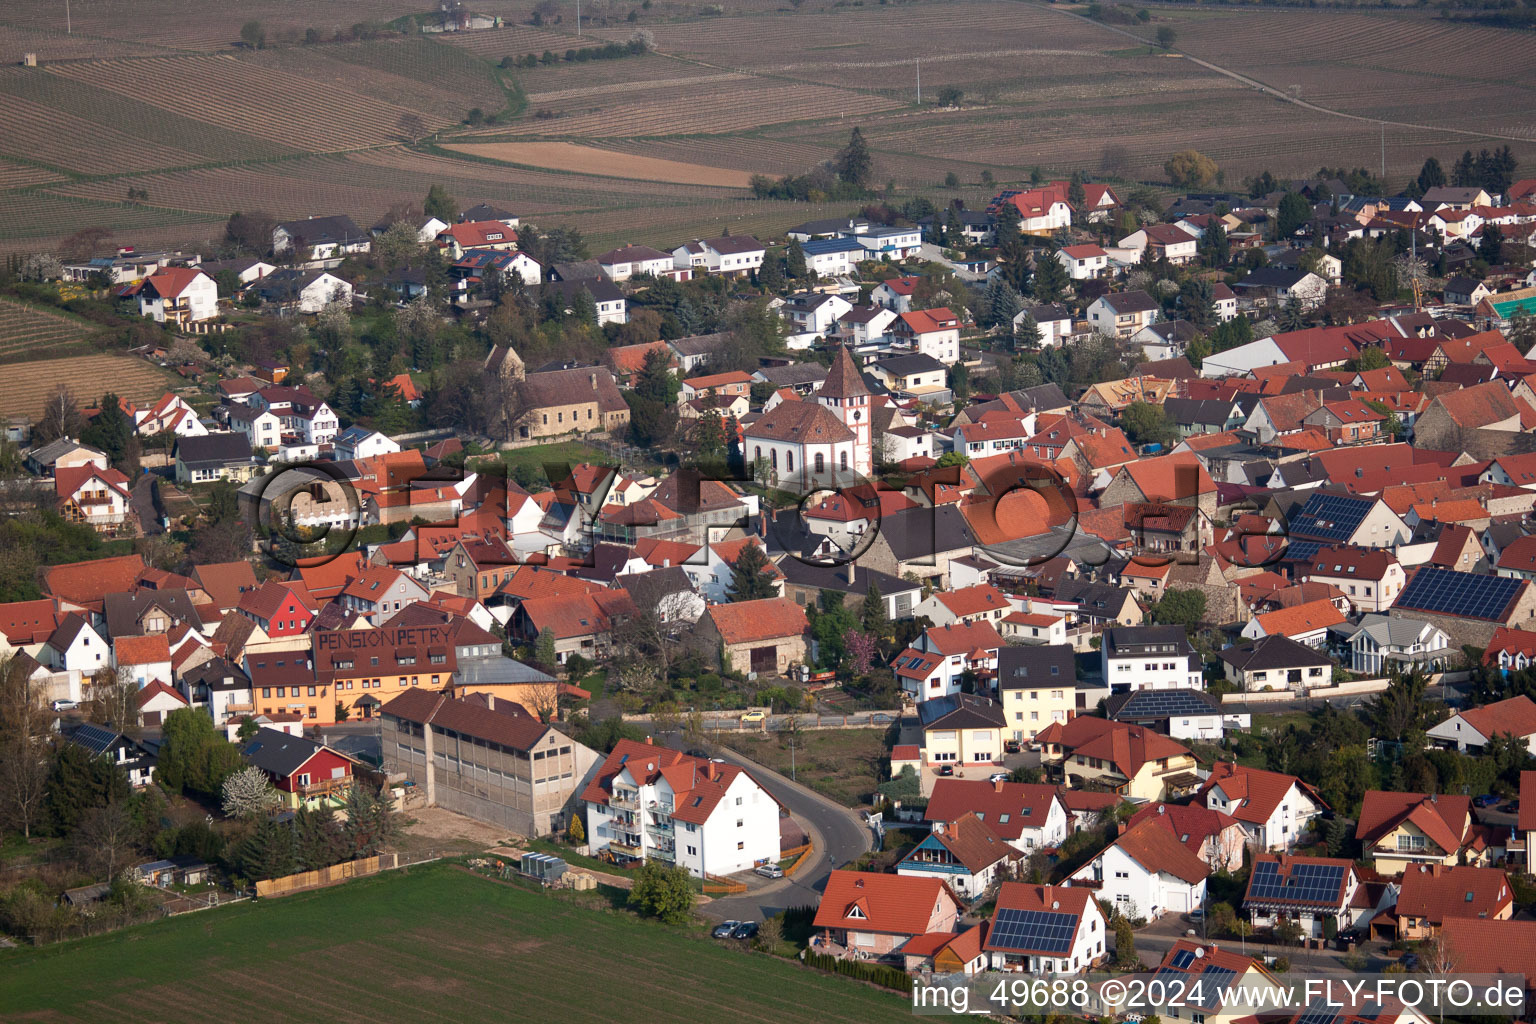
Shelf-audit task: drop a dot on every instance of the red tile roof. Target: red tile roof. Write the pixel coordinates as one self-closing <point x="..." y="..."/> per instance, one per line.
<point x="1445" y="820"/>
<point x="1126" y="747"/>
<point x="155" y="689"/>
<point x="1492" y="947"/>
<point x="1074" y="900"/>
<point x="1157" y="849"/>
<point x="1515" y="716"/>
<point x="771" y="618"/>
<point x="1300" y="619"/>
<point x="888" y="904"/>
<point x="1192" y="824"/>
<point x="1253" y="793"/>
<point x="1438" y="894"/>
<point x="141" y="650"/>
<point x="28" y="622"/>
<point x="977" y="600"/>
<point x="86" y="583"/>
<point x="963" y="637"/>
<point x="1007" y="808"/>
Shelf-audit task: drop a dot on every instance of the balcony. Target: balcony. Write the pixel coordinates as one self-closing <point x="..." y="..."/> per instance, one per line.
<point x="659" y="807"/>
<point x="664" y="853"/>
<point x="630" y="801"/>
<point x="625" y="849"/>
<point x="325" y="787"/>
<point x="660" y="828"/>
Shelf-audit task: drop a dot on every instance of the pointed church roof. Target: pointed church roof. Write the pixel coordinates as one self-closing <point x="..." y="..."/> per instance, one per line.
<point x="843" y="381"/>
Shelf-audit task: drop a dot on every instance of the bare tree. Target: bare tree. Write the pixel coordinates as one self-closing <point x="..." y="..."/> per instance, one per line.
<point x="111" y="699"/>
<point x="103" y="840"/>
<point x="412" y="127"/>
<point x="24" y="727"/>
<point x="60" y="417"/>
<point x="544" y="698"/>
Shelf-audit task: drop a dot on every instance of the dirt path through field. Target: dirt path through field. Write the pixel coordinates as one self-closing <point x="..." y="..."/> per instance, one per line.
<point x="568" y="156"/>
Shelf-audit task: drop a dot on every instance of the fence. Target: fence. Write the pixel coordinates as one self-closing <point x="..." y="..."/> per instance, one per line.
<point x="717" y="886"/>
<point x="801" y="855"/>
<point x="1359" y="686"/>
<point x="327" y="876"/>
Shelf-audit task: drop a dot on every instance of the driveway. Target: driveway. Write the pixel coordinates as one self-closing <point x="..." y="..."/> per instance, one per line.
<point x="838" y="833"/>
<point x="146" y="504"/>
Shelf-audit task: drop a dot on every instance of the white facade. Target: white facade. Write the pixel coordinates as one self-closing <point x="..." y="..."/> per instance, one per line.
<point x="1052" y="332"/>
<point x="805" y="467"/>
<point x="893" y="243"/>
<point x="817" y="315"/>
<point x="1085" y="266"/>
<point x="322" y="291"/>
<point x="741" y="832"/>
<point x="349" y="446"/>
<point x="1288" y="821"/>
<point x="1137" y="891"/>
<point x="1125" y="673"/>
<point x="85" y="653"/>
<point x="198" y="300"/>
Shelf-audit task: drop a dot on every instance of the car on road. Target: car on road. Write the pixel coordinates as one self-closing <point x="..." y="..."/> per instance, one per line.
<point x="1511" y="807"/>
<point x="64" y="705"/>
<point x="1486" y="800"/>
<point x="753" y="716"/>
<point x="745" y="930"/>
<point x="724" y="929"/>
<point x="944" y="769"/>
<point x="769" y="870"/>
<point x="1348" y="937"/>
<point x="696" y="752"/>
<point x="1012" y="747"/>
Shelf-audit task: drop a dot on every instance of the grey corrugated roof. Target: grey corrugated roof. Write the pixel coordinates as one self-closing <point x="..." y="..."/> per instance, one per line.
<point x="498" y="670"/>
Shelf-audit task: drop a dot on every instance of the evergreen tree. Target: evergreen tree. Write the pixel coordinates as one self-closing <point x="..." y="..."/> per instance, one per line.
<point x="77" y="783"/>
<point x="544" y="648"/>
<point x="1215" y="250"/>
<point x="750" y="578"/>
<point x="853" y="162"/>
<point x="440" y="204"/>
<point x="1026" y="334"/>
<point x="794" y="260"/>
<point x="1293" y="316"/>
<point x="584" y="308"/>
<point x="1008" y="221"/>
<point x="1078" y="198"/>
<point x="1464" y="171"/>
<point x="1198" y="297"/>
<point x="317" y="839"/>
<point x="771" y="277"/>
<point x="1050" y="281"/>
<point x="1004" y="304"/>
<point x="111" y="431"/>
<point x="371" y="824"/>
<point x="1491" y="245"/>
<point x="267" y="852"/>
<point x="1431" y="175"/>
<point x="655" y="381"/>
<point x="709" y="439"/>
<point x="873" y="617"/>
<point x="1294" y="212"/>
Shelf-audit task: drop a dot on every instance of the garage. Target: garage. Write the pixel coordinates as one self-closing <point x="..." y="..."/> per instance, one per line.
<point x="765" y="660"/>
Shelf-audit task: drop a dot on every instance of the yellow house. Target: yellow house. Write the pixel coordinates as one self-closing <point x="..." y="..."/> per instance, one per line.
<point x="1129" y="759"/>
<point x="1430" y="894"/>
<point x="1401" y="830"/>
<point x="961" y="729"/>
<point x="1037" y="687"/>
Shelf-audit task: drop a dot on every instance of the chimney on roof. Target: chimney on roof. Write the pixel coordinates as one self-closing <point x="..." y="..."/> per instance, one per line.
<point x="593" y="377"/>
<point x="997" y="785"/>
<point x="850" y="567"/>
<point x="490" y="702"/>
<point x="649" y="741"/>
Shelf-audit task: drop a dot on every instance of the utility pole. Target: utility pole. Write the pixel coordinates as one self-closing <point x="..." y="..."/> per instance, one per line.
<point x="1383" y="154"/>
<point x="919" y="81"/>
<point x="578" y="17"/>
<point x="68" y="26"/>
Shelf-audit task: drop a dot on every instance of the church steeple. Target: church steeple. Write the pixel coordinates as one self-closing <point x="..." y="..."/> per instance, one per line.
<point x="846" y="394"/>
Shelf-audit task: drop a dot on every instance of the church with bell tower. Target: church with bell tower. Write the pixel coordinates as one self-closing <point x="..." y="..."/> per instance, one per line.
<point x="845" y="393"/>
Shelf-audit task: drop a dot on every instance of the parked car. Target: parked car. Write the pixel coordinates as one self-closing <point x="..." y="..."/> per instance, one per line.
<point x="65" y="705"/>
<point x="723" y="929"/>
<point x="1348" y="937"/>
<point x="770" y="871"/>
<point x="1486" y="800"/>
<point x="696" y="752"/>
<point x="1195" y="916"/>
<point x="1410" y="961"/>
<point x="999" y="777"/>
<point x="1511" y="807"/>
<point x="745" y="930"/>
<point x="944" y="769"/>
<point x="753" y="716"/>
<point x="1012" y="746"/>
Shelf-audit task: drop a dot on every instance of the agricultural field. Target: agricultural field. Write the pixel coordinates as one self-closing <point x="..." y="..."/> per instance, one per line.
<point x="27" y="332"/>
<point x="604" y="162"/>
<point x="25" y="386"/>
<point x="658" y="148"/>
<point x="441" y="945"/>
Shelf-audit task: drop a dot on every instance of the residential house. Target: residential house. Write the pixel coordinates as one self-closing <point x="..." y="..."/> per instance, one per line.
<point x="1028" y="816"/>
<point x="1306" y="623"/>
<point x="1305" y="890"/>
<point x="1379" y="641"/>
<point x="833" y="257"/>
<point x="1163" y="241"/>
<point x="64" y="453"/>
<point x="307" y="291"/>
<point x="378" y="592"/>
<point x="1215" y="837"/>
<point x="631" y="260"/>
<point x="1274" y="809"/>
<point x="1469" y="730"/>
<point x="1371" y="577"/>
<point x="220" y="687"/>
<point x="765" y="637"/>
<point x="961" y="729"/>
<point x="609" y="303"/>
<point x="941" y="658"/>
<point x="1149" y="658"/>
<point x="1122" y="314"/>
<point x="980" y="603"/>
<point x="1042" y="211"/>
<point x="1084" y="262"/>
<point x="814" y="314"/>
<point x="965" y="853"/>
<point x="865" y="326"/>
<point x="1431" y="894"/>
<point x="895" y="293"/>
<point x="728" y="255"/>
<point x="649" y="803"/>
<point x="867" y="914"/>
<point x="170" y="415"/>
<point x="576" y="400"/>
<point x="932" y="332"/>
<point x="358" y="442"/>
<point x="1046" y="930"/>
<point x="280" y="609"/>
<point x="1147" y="872"/>
<point x="1053" y="320"/>
<point x="1402" y="830"/>
<point x="1130" y="759"/>
<point x="889" y="242"/>
<point x="914" y="376"/>
<point x="179" y="296"/>
<point x="1276" y="662"/>
<point x="320" y="240"/>
<point x="155" y="701"/>
<point x="1272" y="288"/>
<point x="99" y="498"/>
<point x="304" y="772"/>
<point x="1182" y="714"/>
<point x="134" y="757"/>
<point x="1037" y="686"/>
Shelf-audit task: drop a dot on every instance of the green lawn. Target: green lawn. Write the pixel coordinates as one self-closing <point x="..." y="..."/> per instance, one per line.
<point x="837" y="763"/>
<point x="437" y="944"/>
<point x="539" y="455"/>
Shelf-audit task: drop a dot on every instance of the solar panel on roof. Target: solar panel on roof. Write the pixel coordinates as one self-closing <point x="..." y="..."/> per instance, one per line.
<point x="1333" y="517"/>
<point x="1034" y="930"/>
<point x="1466" y="594"/>
<point x="1183" y="958"/>
<point x="1163" y="704"/>
<point x="1319" y="1012"/>
<point x="1306" y="883"/>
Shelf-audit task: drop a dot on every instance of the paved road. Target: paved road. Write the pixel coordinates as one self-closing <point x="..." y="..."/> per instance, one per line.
<point x="1155" y="940"/>
<point x="839" y="835"/>
<point x="146" y="504"/>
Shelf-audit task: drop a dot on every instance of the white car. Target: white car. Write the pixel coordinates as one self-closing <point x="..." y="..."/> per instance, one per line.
<point x="65" y="705"/>
<point x="770" y="871"/>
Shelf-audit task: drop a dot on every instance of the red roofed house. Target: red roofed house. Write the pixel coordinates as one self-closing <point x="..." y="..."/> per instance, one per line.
<point x="1027" y="816"/>
<point x="477" y="234"/>
<point x="1042" y="211"/>
<point x="378" y="592"/>
<point x="981" y="603"/>
<point x="932" y="332"/>
<point x="1084" y="262"/>
<point x="966" y="853"/>
<point x="1275" y="810"/>
<point x="650" y="803"/>
<point x="1470" y="730"/>
<point x="933" y="665"/>
<point x="1431" y="895"/>
<point x="1147" y="872"/>
<point x="1166" y="241"/>
<point x="1512" y="650"/>
<point x="179" y="295"/>
<point x="581" y="623"/>
<point x="97" y="497"/>
<point x="1402" y="830"/>
<point x="896" y="293"/>
<point x="280" y="609"/>
<point x="1301" y="889"/>
<point x="144" y="658"/>
<point x="83" y="585"/>
<point x="1305" y="623"/>
<point x="156" y="701"/>
<point x="1216" y="838"/>
<point x="765" y="636"/>
<point x="872" y="915"/>
<point x="1020" y="949"/>
<point x="1132" y="760"/>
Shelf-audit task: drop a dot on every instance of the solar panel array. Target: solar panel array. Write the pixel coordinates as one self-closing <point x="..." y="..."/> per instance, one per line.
<point x="1164" y="704"/>
<point x="1213" y="979"/>
<point x="1333" y="517"/>
<point x="1183" y="958"/>
<point x="1319" y="1012"/>
<point x="1037" y="931"/>
<point x="1307" y="883"/>
<point x="1467" y="594"/>
<point x="1301" y="550"/>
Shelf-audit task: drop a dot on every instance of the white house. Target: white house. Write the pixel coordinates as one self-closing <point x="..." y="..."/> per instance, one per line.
<point x="890" y="242"/>
<point x="650" y="803"/>
<point x="321" y="240"/>
<point x="1147" y="872"/>
<point x="309" y="291"/>
<point x="1274" y="809"/>
<point x="1042" y="211"/>
<point x="142" y="658"/>
<point x="1164" y="240"/>
<point x="179" y="295"/>
<point x="1149" y="658"/>
<point x="300" y="411"/>
<point x="75" y="647"/>
<point x="379" y="592"/>
<point x="1380" y="640"/>
<point x="1305" y="890"/>
<point x="102" y="498"/>
<point x="965" y="853"/>
<point x="1470" y="730"/>
<point x="940" y="656"/>
<point x="1029" y="949"/>
<point x="1054" y="321"/>
<point x="1306" y="623"/>
<point x="1084" y="262"/>
<point x="833" y="257"/>
<point x="1275" y="287"/>
<point x="895" y="294"/>
<point x="1028" y="816"/>
<point x="933" y="332"/>
<point x="731" y="255"/>
<point x="623" y="263"/>
<point x="814" y="313"/>
<point x="361" y="443"/>
<point x="170" y="415"/>
<point x="865" y="325"/>
<point x="261" y="427"/>
<point x="1122" y="314"/>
